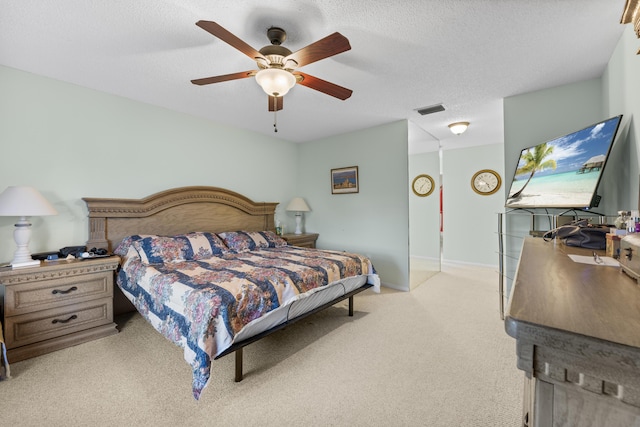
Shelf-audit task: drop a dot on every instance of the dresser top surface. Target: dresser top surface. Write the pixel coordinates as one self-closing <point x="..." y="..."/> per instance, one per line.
<point x="553" y="291"/>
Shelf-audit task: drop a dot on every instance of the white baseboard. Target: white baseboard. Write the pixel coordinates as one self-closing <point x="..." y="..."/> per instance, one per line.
<point x="425" y="258"/>
<point x="394" y="287"/>
<point x="457" y="263"/>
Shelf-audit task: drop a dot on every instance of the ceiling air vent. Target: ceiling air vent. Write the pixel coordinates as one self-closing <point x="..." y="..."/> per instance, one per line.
<point x="430" y="110"/>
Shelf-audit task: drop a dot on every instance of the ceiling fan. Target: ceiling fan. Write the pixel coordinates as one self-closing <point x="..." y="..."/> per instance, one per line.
<point x="277" y="65"/>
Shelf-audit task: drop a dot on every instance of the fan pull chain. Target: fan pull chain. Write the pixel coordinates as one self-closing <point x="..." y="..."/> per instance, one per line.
<point x="275" y="114"/>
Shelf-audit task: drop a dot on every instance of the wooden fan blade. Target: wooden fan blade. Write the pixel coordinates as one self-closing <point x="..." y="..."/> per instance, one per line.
<point x="275" y="103"/>
<point x="229" y="38"/>
<point x="224" y="78"/>
<point x="331" y="45"/>
<point x="323" y="86"/>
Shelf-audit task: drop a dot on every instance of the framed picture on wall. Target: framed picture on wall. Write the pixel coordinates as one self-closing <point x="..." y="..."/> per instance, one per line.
<point x="344" y="180"/>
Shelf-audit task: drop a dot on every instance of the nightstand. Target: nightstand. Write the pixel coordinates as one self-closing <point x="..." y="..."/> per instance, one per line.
<point x="306" y="240"/>
<point x="57" y="305"/>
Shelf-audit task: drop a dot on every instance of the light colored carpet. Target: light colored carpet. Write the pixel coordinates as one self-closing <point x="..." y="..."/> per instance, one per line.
<point x="421" y="270"/>
<point x="436" y="356"/>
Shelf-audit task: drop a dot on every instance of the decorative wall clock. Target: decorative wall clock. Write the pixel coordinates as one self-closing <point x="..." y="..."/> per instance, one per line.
<point x="486" y="182"/>
<point x="423" y="185"/>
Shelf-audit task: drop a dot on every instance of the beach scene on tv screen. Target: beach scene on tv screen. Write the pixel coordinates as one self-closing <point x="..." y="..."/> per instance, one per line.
<point x="565" y="172"/>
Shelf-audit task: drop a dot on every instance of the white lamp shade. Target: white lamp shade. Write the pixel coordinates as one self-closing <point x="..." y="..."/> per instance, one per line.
<point x="24" y="201"/>
<point x="297" y="204"/>
<point x="275" y="81"/>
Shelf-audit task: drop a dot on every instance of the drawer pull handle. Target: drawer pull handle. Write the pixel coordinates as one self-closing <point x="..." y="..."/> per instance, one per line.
<point x="58" y="291"/>
<point x="72" y="317"/>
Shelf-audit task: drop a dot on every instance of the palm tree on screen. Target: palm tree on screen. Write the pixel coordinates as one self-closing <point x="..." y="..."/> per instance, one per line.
<point x="535" y="161"/>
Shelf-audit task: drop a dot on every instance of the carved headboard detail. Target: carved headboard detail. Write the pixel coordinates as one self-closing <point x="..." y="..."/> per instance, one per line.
<point x="175" y="211"/>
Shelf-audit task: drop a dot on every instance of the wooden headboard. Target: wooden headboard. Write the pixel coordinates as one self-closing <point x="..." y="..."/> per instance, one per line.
<point x="175" y="211"/>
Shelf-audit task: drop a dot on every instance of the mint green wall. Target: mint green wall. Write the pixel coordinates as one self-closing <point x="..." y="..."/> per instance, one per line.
<point x="621" y="86"/>
<point x="424" y="212"/>
<point x="71" y="142"/>
<point x="543" y="115"/>
<point x="537" y="117"/>
<point x="540" y="116"/>
<point x="375" y="220"/>
<point x="470" y="220"/>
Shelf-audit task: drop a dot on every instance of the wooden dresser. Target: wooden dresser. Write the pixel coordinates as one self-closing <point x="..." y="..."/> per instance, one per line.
<point x="577" y="331"/>
<point x="305" y="240"/>
<point x="57" y="305"/>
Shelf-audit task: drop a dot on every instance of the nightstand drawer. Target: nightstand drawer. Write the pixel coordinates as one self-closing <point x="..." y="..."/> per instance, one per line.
<point x="306" y="240"/>
<point x="57" y="304"/>
<point x="46" y="324"/>
<point x="45" y="294"/>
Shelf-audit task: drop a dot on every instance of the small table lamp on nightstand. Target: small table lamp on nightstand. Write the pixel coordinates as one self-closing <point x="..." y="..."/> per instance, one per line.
<point x="24" y="202"/>
<point x="298" y="205"/>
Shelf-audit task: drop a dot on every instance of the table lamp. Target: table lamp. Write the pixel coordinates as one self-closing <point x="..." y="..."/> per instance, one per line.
<point x="298" y="205"/>
<point x="24" y="202"/>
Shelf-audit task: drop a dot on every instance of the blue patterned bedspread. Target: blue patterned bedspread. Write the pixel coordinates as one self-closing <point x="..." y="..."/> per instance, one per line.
<point x="201" y="304"/>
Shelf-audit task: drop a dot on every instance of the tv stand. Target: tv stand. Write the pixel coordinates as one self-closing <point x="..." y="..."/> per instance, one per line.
<point x="584" y="210"/>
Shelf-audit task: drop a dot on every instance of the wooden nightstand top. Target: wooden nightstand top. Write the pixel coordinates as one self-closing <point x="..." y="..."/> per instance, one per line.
<point x="58" y="268"/>
<point x="305" y="240"/>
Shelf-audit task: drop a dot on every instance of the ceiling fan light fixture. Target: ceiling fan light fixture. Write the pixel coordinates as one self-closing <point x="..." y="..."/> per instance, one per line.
<point x="459" y="127"/>
<point x="275" y="81"/>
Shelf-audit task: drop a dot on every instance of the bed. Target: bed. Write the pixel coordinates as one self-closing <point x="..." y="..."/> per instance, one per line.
<point x="205" y="268"/>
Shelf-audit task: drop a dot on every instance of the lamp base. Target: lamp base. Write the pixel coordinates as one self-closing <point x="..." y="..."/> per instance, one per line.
<point x="298" y="223"/>
<point x="31" y="263"/>
<point x="22" y="235"/>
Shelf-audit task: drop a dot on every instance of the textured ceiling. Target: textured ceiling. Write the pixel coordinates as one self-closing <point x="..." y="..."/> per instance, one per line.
<point x="466" y="54"/>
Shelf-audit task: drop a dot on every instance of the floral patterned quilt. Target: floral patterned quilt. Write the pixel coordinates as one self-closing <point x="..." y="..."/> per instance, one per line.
<point x="199" y="293"/>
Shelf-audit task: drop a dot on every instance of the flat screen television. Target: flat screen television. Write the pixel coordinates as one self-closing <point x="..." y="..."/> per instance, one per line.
<point x="564" y="172"/>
